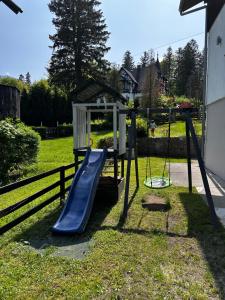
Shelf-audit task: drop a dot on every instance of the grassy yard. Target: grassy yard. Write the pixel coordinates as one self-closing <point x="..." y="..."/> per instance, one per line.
<point x="177" y="129"/>
<point x="152" y="255"/>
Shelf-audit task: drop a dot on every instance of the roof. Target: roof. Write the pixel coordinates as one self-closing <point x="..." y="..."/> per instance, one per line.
<point x="187" y="4"/>
<point x="129" y="74"/>
<point x="91" y="89"/>
<point x="8" y="86"/>
<point x="13" y="6"/>
<point x="213" y="9"/>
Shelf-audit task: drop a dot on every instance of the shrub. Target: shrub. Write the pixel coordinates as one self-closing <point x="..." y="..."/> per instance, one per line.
<point x="105" y="142"/>
<point x="141" y="125"/>
<point x="19" y="146"/>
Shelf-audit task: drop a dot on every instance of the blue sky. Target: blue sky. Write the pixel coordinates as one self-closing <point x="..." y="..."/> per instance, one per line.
<point x="137" y="25"/>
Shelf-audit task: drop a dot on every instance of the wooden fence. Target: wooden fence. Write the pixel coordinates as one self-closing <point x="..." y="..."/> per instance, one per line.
<point x="60" y="195"/>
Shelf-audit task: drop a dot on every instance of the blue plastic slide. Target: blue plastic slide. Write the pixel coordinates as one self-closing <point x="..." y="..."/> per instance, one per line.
<point x="77" y="210"/>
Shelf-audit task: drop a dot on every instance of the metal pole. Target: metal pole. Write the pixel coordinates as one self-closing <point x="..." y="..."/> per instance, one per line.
<point x="188" y="144"/>
<point x="127" y="187"/>
<point x="134" y="134"/>
<point x="203" y="173"/>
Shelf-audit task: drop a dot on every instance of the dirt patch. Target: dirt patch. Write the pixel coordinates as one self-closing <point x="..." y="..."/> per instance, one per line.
<point x="154" y="203"/>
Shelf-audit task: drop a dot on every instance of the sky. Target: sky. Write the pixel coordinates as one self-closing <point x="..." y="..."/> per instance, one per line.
<point x="135" y="25"/>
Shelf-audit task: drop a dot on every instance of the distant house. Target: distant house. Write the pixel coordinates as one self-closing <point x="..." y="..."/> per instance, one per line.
<point x="133" y="81"/>
<point x="214" y="145"/>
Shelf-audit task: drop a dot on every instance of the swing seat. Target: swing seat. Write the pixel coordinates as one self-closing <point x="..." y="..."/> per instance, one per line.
<point x="157" y="182"/>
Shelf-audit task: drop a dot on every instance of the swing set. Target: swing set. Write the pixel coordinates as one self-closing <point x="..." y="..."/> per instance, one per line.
<point x="163" y="181"/>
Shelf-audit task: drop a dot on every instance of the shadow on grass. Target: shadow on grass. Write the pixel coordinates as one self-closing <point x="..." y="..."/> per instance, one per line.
<point x="212" y="241"/>
<point x="40" y="236"/>
<point x="123" y="217"/>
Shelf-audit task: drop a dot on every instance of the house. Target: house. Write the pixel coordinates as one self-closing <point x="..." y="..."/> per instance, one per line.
<point x="133" y="81"/>
<point x="214" y="137"/>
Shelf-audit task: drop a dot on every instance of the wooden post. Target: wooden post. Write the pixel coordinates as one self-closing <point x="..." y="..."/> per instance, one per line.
<point x="134" y="134"/>
<point x="188" y="143"/>
<point x="76" y="159"/>
<point x="122" y="166"/>
<point x="127" y="187"/>
<point x="62" y="185"/>
<point x="115" y="127"/>
<point x="203" y="173"/>
<point x="115" y="166"/>
<point x="89" y="128"/>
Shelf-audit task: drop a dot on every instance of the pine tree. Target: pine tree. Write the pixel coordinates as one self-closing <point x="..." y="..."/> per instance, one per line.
<point x="79" y="44"/>
<point x="168" y="69"/>
<point x="21" y="78"/>
<point x="128" y="61"/>
<point x="28" y="78"/>
<point x="151" y="88"/>
<point x="114" y="78"/>
<point x="186" y="67"/>
<point x="145" y="59"/>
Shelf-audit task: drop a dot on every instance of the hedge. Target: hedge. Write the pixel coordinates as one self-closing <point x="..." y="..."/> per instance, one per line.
<point x="19" y="147"/>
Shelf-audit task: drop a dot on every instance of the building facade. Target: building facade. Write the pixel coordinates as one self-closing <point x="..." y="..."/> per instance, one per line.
<point x="214" y="146"/>
<point x="133" y="82"/>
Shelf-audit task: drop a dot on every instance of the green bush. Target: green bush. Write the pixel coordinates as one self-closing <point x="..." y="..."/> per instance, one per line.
<point x="19" y="147"/>
<point x="141" y="125"/>
<point x="106" y="142"/>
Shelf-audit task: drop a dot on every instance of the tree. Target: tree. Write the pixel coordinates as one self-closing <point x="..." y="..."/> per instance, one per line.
<point x="128" y="61"/>
<point x="187" y="60"/>
<point x="21" y="78"/>
<point x="114" y="78"/>
<point x="151" y="89"/>
<point x="79" y="44"/>
<point x="168" y="65"/>
<point x="13" y="82"/>
<point x="145" y="59"/>
<point x="28" y="78"/>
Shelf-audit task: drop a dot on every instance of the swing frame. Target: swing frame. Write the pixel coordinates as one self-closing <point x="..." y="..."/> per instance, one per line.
<point x="158" y="182"/>
<point x="190" y="134"/>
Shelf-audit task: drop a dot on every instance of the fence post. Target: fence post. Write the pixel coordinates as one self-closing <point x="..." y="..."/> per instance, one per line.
<point x="62" y="185"/>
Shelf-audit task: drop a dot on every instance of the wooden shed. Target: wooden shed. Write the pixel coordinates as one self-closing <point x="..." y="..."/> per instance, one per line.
<point x="9" y="102"/>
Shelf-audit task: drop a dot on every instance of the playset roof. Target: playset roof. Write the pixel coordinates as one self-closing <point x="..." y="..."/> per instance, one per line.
<point x="91" y="89"/>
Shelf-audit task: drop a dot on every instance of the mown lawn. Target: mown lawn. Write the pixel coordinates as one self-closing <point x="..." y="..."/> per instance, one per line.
<point x="151" y="255"/>
<point x="177" y="129"/>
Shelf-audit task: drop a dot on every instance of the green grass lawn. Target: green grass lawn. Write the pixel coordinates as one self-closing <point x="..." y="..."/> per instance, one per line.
<point x="152" y="255"/>
<point x="177" y="129"/>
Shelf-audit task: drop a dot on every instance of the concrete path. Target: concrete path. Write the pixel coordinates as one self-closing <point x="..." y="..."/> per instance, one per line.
<point x="179" y="176"/>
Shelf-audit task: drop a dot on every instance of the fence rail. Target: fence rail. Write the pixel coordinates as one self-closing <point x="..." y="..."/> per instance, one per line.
<point x="60" y="195"/>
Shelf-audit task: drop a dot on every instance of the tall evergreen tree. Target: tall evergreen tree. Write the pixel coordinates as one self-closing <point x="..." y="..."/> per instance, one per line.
<point x="145" y="59"/>
<point x="151" y="88"/>
<point x="114" y="78"/>
<point x="128" y="61"/>
<point x="168" y="69"/>
<point x="28" y="78"/>
<point x="79" y="44"/>
<point x="186" y="66"/>
<point x="21" y="78"/>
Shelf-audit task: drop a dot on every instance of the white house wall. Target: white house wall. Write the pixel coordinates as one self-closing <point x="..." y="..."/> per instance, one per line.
<point x="215" y="98"/>
<point x="215" y="138"/>
<point x="216" y="60"/>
